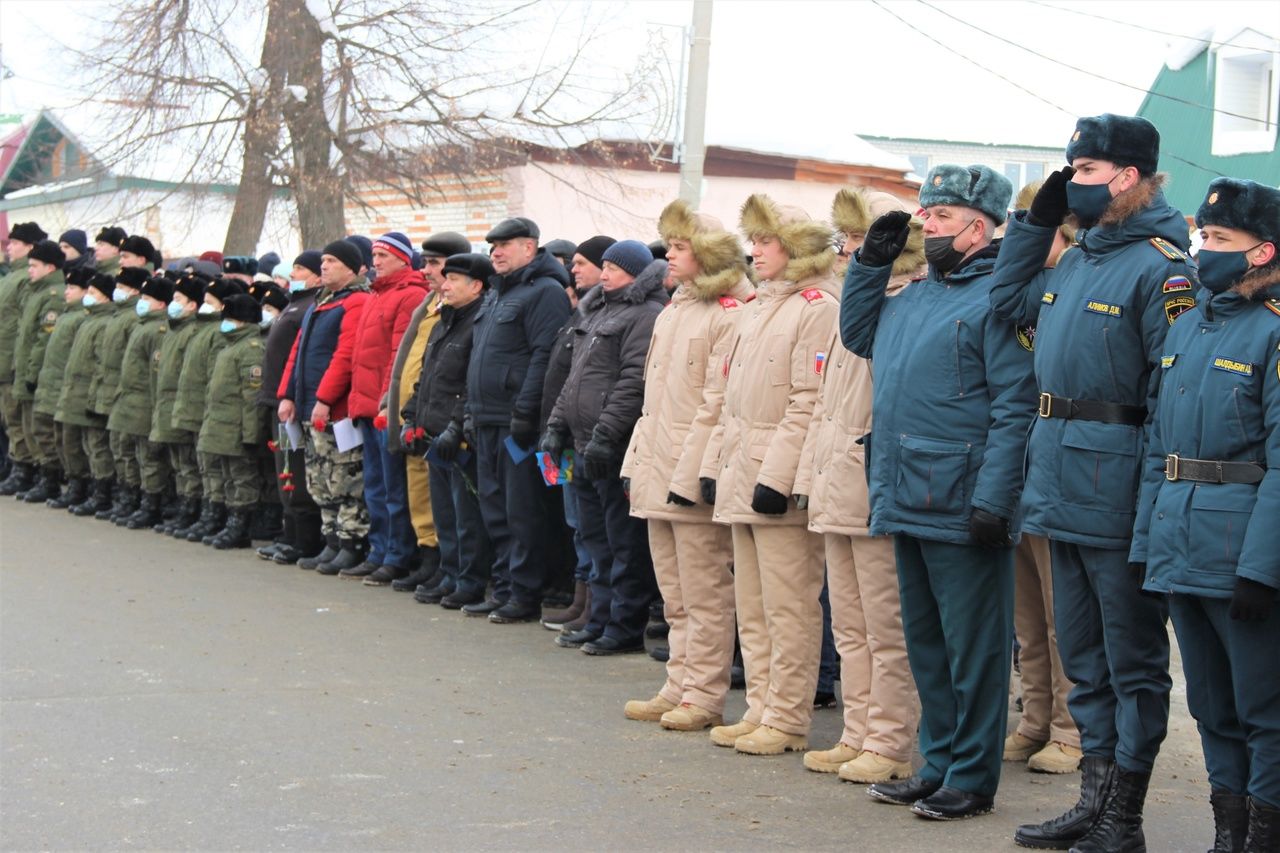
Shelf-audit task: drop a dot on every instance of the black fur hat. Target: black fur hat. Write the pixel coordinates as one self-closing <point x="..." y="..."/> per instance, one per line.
<point x="242" y="307"/>
<point x="1123" y="140"/>
<point x="133" y="277"/>
<point x="1249" y="206"/>
<point x="49" y="252"/>
<point x="112" y="234"/>
<point x="28" y="232"/>
<point x="158" y="287"/>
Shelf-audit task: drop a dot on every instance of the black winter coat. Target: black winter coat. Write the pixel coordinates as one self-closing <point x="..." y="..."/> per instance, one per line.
<point x="280" y="338"/>
<point x="440" y="394"/>
<point x="605" y="389"/>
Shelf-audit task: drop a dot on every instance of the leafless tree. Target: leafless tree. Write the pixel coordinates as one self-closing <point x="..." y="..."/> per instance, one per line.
<point x="323" y="98"/>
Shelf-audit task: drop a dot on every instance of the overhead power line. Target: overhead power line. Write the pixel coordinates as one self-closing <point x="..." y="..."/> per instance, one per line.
<point x="1146" y="29"/>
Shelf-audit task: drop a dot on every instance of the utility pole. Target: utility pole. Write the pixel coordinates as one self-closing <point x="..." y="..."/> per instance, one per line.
<point x="695" y="108"/>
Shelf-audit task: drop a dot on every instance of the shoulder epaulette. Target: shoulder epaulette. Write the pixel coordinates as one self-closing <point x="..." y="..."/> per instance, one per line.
<point x="1169" y="250"/>
<point x="1273" y="305"/>
<point x="811" y="294"/>
<point x="727" y="302"/>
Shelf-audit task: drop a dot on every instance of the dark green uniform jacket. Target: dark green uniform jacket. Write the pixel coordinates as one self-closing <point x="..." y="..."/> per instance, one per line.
<point x="106" y="378"/>
<point x="56" y="355"/>
<point x="42" y="304"/>
<point x="10" y="291"/>
<point x="165" y="393"/>
<point x="74" y="401"/>
<point x="197" y="364"/>
<point x="233" y="417"/>
<point x="131" y="413"/>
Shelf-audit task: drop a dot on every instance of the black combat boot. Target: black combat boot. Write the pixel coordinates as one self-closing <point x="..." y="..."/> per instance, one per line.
<point x="76" y="491"/>
<point x="99" y="498"/>
<point x="1119" y="827"/>
<point x="426" y="573"/>
<point x="203" y="513"/>
<point x="117" y="497"/>
<point x="307" y="538"/>
<point x="188" y="512"/>
<point x="131" y="504"/>
<point x="1264" y="828"/>
<point x="217" y="520"/>
<point x="148" y="514"/>
<point x="20" y="479"/>
<point x="351" y="553"/>
<point x="236" y="533"/>
<point x="331" y="547"/>
<point x="283" y="543"/>
<point x="48" y="486"/>
<point x="1230" y="820"/>
<point x="1063" y="831"/>
<point x="266" y="522"/>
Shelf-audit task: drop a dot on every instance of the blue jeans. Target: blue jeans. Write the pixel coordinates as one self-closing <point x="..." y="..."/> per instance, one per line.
<point x="583" y="569"/>
<point x="622" y="579"/>
<point x="464" y="545"/>
<point x="392" y="540"/>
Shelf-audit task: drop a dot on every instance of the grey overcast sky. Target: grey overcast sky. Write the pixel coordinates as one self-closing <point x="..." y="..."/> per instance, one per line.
<point x="804" y="76"/>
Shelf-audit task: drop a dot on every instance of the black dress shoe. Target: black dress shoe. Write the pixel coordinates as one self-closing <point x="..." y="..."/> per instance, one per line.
<point x="949" y="803"/>
<point x="482" y="608"/>
<point x="657" y="630"/>
<point x="824" y="699"/>
<point x="575" y="639"/>
<point x="412" y="582"/>
<point x="610" y="646"/>
<point x="514" y="611"/>
<point x="903" y="793"/>
<point x="432" y="594"/>
<point x="286" y="555"/>
<point x="661" y="654"/>
<point x="459" y="600"/>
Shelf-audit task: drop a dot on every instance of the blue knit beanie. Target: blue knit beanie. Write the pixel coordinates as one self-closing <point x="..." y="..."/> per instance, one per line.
<point x="631" y="255"/>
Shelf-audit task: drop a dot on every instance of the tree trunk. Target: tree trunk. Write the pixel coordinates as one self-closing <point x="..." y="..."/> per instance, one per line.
<point x="317" y="187"/>
<point x="261" y="138"/>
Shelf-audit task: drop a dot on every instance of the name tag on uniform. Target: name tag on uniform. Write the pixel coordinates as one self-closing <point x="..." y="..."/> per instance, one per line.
<point x="1103" y="308"/>
<point x="1166" y="361"/>
<point x="1243" y="368"/>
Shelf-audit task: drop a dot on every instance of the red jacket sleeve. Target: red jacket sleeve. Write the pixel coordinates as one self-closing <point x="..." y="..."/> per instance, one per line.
<point x="336" y="383"/>
<point x="282" y="393"/>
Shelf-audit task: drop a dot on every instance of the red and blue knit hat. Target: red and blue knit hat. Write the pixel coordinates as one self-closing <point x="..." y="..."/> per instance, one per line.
<point x="397" y="244"/>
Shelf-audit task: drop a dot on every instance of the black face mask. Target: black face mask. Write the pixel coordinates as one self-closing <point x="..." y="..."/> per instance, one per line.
<point x="941" y="252"/>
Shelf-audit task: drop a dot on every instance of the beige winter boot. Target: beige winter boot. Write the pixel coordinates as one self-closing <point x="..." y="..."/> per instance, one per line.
<point x="648" y="710"/>
<point x="829" y="760"/>
<point x="872" y="767"/>
<point x="766" y="740"/>
<point x="689" y="718"/>
<point x="1018" y="747"/>
<point x="1056" y="758"/>
<point x="728" y="735"/>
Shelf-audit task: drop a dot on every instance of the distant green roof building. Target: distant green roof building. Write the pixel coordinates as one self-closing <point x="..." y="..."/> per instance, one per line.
<point x="1216" y="103"/>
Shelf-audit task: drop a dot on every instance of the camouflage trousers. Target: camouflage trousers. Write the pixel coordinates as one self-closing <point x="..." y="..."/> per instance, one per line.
<point x="71" y="442"/>
<point x="125" y="458"/>
<point x="153" y="465"/>
<point x="42" y="436"/>
<point x="186" y="470"/>
<point x="241" y="480"/>
<point x="97" y="448"/>
<point x="212" y="479"/>
<point x="336" y="482"/>
<point x="11" y="411"/>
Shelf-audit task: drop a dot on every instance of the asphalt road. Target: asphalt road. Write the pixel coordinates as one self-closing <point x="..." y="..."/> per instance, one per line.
<point x="161" y="695"/>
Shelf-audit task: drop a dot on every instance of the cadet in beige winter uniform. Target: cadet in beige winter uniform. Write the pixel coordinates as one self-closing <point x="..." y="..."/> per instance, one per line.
<point x="774" y="372"/>
<point x="878" y="694"/>
<point x="672" y="451"/>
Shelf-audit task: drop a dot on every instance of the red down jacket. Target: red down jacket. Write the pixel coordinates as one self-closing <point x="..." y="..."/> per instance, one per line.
<point x="382" y="324"/>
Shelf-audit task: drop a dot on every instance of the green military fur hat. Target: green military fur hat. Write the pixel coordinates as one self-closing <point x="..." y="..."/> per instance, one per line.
<point x="1123" y="140"/>
<point x="978" y="187"/>
<point x="1246" y="205"/>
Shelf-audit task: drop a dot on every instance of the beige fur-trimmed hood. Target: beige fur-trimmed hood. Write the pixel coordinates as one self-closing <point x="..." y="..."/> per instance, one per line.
<point x="716" y="250"/>
<point x="806" y="242"/>
<point x="853" y="211"/>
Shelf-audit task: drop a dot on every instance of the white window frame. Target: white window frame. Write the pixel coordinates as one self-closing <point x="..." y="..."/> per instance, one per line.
<point x="1229" y="140"/>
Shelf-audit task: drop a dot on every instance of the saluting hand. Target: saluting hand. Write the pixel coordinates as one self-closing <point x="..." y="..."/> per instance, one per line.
<point x="1049" y="207"/>
<point x="886" y="238"/>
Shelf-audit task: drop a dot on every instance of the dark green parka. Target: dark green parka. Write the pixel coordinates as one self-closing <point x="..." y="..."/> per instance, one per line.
<point x="131" y="412"/>
<point x="233" y="418"/>
<point x="75" y="400"/>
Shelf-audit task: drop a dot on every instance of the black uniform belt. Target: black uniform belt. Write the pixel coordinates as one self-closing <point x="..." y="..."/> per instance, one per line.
<point x="1211" y="470"/>
<point x="1090" y="410"/>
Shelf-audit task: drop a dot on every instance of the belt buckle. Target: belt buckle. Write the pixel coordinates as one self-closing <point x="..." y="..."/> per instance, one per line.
<point x="1046" y="404"/>
<point x="1171" y="467"/>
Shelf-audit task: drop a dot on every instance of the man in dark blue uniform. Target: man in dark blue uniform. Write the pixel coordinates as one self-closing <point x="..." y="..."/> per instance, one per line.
<point x="954" y="395"/>
<point x="1207" y="522"/>
<point x="1101" y="316"/>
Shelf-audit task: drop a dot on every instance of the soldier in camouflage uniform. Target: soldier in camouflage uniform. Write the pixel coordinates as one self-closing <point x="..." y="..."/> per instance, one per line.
<point x="188" y="407"/>
<point x="76" y="398"/>
<point x="69" y="438"/>
<point x="42" y="304"/>
<point x="179" y="445"/>
<point x="131" y="414"/>
<point x="22" y="239"/>
<point x="235" y="426"/>
<point x="105" y="384"/>
<point x="106" y="250"/>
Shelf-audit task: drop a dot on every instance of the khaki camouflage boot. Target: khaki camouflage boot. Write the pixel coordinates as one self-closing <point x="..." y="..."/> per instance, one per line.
<point x="871" y="767"/>
<point x="1056" y="758"/>
<point x="766" y="740"/>
<point x="1018" y="747"/>
<point x="689" y="718"/>
<point x="829" y="760"/>
<point x="647" y="710"/>
<point x="728" y="735"/>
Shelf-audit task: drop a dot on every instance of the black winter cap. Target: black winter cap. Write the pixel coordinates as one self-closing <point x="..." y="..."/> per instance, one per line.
<point x="269" y="293"/>
<point x="158" y="287"/>
<point x="562" y="249"/>
<point x="223" y="289"/>
<point x="510" y="229"/>
<point x="240" y="265"/>
<point x="310" y="260"/>
<point x="192" y="286"/>
<point x="346" y="252"/>
<point x="446" y="244"/>
<point x="471" y="265"/>
<point x="79" y="275"/>
<point x="1246" y="205"/>
<point x="593" y="248"/>
<point x="104" y="283"/>
<point x="1123" y="140"/>
<point x="28" y="232"/>
<point x="133" y="277"/>
<point x="242" y="307"/>
<point x="49" y="252"/>
<point x="138" y="245"/>
<point x="364" y="246"/>
<point x="112" y="234"/>
<point x="76" y="239"/>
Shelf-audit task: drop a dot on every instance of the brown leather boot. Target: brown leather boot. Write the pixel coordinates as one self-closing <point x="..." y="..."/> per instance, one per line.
<point x="580" y="621"/>
<point x="554" y="620"/>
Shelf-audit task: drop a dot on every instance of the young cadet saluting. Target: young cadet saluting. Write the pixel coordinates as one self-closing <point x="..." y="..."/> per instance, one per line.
<point x="952" y="397"/>
<point x="1101" y="316"/>
<point x="1210" y="501"/>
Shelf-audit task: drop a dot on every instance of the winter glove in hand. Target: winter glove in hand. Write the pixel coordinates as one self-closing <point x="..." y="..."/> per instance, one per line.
<point x="524" y="431"/>
<point x="446" y="444"/>
<point x="31" y="387"/>
<point x="768" y="502"/>
<point x="626" y="488"/>
<point x="886" y="238"/>
<point x="1251" y="601"/>
<point x="1138" y="574"/>
<point x="468" y="429"/>
<point x="1049" y="207"/>
<point x="673" y="498"/>
<point x="988" y="530"/>
<point x="552" y="444"/>
<point x="598" y="459"/>
<point x="707" y="486"/>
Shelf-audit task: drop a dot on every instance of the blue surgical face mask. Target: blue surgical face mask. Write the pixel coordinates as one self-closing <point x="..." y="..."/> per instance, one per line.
<point x="227" y="327"/>
<point x="88" y="300"/>
<point x="206" y="309"/>
<point x="1089" y="201"/>
<point x="295" y="285"/>
<point x="1220" y="270"/>
<point x="266" y="319"/>
<point x="174" y="310"/>
<point x="142" y="307"/>
<point x="118" y="296"/>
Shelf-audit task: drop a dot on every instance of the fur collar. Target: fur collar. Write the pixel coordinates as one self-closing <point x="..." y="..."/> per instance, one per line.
<point x="1256" y="284"/>
<point x="810" y="266"/>
<point x="648" y="285"/>
<point x="1126" y="204"/>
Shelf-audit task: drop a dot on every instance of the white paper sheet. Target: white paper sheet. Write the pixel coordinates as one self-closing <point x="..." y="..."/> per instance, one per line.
<point x="346" y="435"/>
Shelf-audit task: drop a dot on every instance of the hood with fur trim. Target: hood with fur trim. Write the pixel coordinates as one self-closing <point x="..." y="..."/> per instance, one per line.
<point x="853" y="211"/>
<point x="717" y="251"/>
<point x="1258" y="285"/>
<point x="806" y="242"/>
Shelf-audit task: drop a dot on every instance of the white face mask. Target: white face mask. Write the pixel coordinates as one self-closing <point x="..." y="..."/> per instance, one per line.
<point x="206" y="309"/>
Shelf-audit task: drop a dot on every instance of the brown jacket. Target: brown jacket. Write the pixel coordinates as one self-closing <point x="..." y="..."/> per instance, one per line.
<point x="833" y="463"/>
<point x="774" y="373"/>
<point x="671" y="448"/>
<point x="407" y="366"/>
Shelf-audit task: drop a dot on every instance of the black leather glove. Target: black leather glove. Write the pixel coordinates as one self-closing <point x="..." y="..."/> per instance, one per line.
<point x="31" y="387"/>
<point x="1251" y="601"/>
<point x="446" y="444"/>
<point x="552" y="444"/>
<point x="707" y="486"/>
<point x="599" y="459"/>
<point x="1049" y="207"/>
<point x="468" y="429"/>
<point x="626" y="488"/>
<point x="673" y="498"/>
<point x="524" y="431"/>
<point x="886" y="238"/>
<point x="766" y="501"/>
<point x="988" y="530"/>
